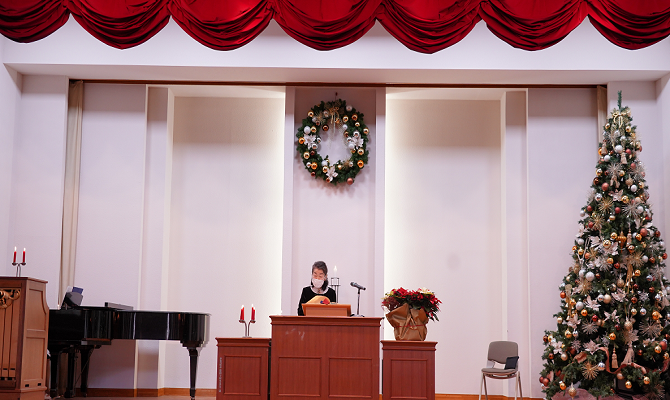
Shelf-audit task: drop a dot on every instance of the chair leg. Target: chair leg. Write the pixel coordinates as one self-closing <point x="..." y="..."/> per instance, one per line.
<point x="481" y="384"/>
<point x="518" y="381"/>
<point x="486" y="391"/>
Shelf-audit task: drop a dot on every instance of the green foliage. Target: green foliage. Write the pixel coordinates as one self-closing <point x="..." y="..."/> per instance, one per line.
<point x="614" y="296"/>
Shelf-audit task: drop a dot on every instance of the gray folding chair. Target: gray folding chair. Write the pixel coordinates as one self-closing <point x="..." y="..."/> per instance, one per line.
<point x="498" y="353"/>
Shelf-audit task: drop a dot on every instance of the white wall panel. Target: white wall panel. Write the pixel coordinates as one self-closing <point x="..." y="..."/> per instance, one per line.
<point x="36" y="210"/>
<point x="111" y="204"/>
<point x="226" y="220"/>
<point x="562" y="155"/>
<point x="443" y="225"/>
<point x="335" y="224"/>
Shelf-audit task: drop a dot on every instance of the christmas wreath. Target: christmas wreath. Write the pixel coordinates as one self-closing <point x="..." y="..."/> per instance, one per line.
<point x="338" y="118"/>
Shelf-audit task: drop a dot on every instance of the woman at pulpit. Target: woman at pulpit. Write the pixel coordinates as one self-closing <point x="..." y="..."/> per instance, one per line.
<point x="318" y="286"/>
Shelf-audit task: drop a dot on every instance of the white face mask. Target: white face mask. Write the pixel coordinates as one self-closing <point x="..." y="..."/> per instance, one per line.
<point x="317" y="283"/>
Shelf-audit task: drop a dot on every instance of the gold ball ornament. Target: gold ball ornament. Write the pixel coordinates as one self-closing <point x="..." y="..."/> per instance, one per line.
<point x="568" y="334"/>
<point x="350" y="181"/>
<point x="628" y="325"/>
<point x="325" y="128"/>
<point x="314" y="166"/>
<point x="637" y="272"/>
<point x="628" y="129"/>
<point x="607" y="299"/>
<point x="628" y="385"/>
<point x="619" y="376"/>
<point x="345" y="119"/>
<point x="584" y="313"/>
<point x="561" y="384"/>
<point x="564" y="356"/>
<point x="357" y="124"/>
<point x="306" y="155"/>
<point x="313" y="129"/>
<point x="620" y="283"/>
<point x="610" y="260"/>
<point x="361" y="152"/>
<point x="607" y="244"/>
<point x="612" y="336"/>
<point x="580" y="251"/>
<point x="366" y="131"/>
<point x="633" y="311"/>
<point x="301" y="140"/>
<point x="658" y="349"/>
<point x="572" y="391"/>
<point x="360" y="163"/>
<point x="559" y="320"/>
<point x="666" y="356"/>
<point x="655" y="315"/>
<point x="646" y="380"/>
<point x="310" y="114"/>
<point x="325" y="170"/>
<point x="638" y="237"/>
<point x="625" y="199"/>
<point x="354" y="117"/>
<point x="613" y="236"/>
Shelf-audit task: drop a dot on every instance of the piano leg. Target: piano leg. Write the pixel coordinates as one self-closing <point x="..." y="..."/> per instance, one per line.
<point x="55" y="369"/>
<point x="71" y="358"/>
<point x="86" y="352"/>
<point x="193" y="355"/>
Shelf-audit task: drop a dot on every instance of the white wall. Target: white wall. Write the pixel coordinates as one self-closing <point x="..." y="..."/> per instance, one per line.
<point x="36" y="208"/>
<point x="562" y="155"/>
<point x="443" y="224"/>
<point x="10" y="86"/>
<point x="226" y="219"/>
<point x="335" y="224"/>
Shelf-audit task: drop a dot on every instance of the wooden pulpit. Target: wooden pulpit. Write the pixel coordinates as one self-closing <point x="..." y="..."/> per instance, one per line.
<point x="242" y="368"/>
<point x="409" y="370"/>
<point x="24" y="326"/>
<point x="324" y="358"/>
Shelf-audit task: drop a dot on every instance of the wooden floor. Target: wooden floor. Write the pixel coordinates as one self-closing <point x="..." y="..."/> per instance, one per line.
<point x="140" y="398"/>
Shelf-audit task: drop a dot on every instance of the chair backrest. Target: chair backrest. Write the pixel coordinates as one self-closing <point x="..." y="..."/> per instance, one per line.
<point x="499" y="351"/>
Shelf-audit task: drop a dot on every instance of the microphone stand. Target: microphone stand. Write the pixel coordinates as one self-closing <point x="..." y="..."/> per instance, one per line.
<point x="358" y="305"/>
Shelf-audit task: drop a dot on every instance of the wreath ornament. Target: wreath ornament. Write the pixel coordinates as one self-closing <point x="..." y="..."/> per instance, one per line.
<point x="338" y="118"/>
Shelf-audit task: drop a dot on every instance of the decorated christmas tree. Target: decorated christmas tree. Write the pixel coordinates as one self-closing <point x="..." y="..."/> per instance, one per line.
<point x="612" y="329"/>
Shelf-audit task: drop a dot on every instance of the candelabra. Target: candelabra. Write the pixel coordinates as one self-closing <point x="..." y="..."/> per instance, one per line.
<point x="335" y="283"/>
<point x="246" y="327"/>
<point x="18" y="266"/>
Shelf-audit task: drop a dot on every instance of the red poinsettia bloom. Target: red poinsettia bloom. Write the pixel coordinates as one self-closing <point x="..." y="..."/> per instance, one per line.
<point x="421" y="298"/>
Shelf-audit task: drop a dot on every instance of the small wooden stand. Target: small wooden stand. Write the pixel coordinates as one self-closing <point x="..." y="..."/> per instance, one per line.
<point x="242" y="368"/>
<point x="408" y="370"/>
<point x="326" y="310"/>
<point x="24" y="326"/>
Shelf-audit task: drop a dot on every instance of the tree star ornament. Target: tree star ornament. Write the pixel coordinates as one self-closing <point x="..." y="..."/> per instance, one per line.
<point x="334" y="117"/>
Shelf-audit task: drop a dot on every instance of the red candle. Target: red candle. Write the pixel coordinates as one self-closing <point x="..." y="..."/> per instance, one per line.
<point x="253" y="313"/>
<point x="14" y="255"/>
<point x="242" y="313"/>
<point x="24" y="255"/>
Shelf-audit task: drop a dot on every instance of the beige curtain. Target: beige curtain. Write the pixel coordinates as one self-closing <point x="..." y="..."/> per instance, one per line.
<point x="71" y="192"/>
<point x="601" y="99"/>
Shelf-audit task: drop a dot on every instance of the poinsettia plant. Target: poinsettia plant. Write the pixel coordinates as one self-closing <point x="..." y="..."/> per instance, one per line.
<point x="421" y="298"/>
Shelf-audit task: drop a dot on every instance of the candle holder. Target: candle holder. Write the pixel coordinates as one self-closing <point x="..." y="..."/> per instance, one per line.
<point x="246" y="327"/>
<point x="335" y="283"/>
<point x="18" y="268"/>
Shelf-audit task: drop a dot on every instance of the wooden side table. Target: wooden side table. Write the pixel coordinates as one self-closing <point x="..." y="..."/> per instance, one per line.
<point x="242" y="368"/>
<point x="408" y="370"/>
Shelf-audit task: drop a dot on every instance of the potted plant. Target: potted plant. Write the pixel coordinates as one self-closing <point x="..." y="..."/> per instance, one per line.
<point x="408" y="312"/>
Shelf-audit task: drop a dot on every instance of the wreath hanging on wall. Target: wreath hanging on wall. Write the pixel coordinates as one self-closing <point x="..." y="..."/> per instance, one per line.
<point x="335" y="117"/>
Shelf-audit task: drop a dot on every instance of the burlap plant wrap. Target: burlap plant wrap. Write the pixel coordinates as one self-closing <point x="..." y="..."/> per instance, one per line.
<point x="408" y="323"/>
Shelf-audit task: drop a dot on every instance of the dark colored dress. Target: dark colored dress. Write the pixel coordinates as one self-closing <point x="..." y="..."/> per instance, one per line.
<point x="308" y="294"/>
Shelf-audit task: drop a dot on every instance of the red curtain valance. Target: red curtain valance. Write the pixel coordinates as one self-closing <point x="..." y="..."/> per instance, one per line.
<point x="425" y="26"/>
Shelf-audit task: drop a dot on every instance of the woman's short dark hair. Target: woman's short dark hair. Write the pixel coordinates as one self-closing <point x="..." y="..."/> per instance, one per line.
<point x="320" y="265"/>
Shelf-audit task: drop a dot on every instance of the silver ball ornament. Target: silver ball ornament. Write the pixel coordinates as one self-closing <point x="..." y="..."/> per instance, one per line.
<point x="590" y="276"/>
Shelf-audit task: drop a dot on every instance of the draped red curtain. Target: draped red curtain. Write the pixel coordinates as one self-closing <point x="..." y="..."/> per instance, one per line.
<point x="425" y="26"/>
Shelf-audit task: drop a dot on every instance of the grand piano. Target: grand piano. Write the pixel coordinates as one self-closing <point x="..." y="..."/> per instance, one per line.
<point x="83" y="329"/>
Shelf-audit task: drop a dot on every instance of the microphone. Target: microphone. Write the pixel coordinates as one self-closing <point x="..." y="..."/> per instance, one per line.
<point x="357" y="286"/>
